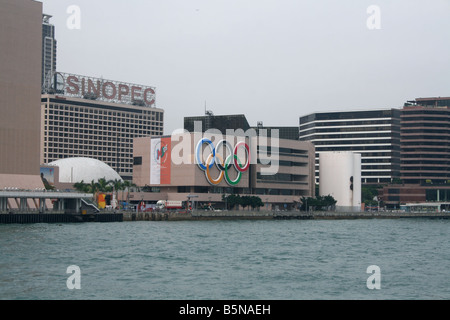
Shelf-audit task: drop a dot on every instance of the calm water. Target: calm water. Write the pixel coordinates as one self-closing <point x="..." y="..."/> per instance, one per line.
<point x="227" y="259"/>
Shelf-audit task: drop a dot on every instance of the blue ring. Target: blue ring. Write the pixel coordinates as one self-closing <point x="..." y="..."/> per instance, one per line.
<point x="199" y="145"/>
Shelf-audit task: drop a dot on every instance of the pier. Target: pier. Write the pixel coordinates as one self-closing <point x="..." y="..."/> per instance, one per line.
<point x="22" y="207"/>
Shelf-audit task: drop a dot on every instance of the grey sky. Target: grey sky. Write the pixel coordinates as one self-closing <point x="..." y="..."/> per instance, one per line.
<point x="273" y="61"/>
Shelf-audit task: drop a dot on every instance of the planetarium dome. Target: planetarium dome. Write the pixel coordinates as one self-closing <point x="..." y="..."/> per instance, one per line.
<point x="73" y="170"/>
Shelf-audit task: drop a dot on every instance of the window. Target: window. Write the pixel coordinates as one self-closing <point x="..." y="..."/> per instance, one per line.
<point x="137" y="161"/>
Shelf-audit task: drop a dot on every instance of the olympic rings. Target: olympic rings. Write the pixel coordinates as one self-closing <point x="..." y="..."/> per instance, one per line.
<point x="199" y="148"/>
<point x="208" y="175"/>
<point x="223" y="167"/>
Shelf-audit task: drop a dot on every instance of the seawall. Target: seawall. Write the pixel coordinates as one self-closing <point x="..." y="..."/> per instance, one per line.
<point x="25" y="218"/>
<point x="271" y="215"/>
<point x="57" y="217"/>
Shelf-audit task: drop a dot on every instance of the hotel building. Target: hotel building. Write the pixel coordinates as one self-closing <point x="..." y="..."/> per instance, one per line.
<point x="375" y="134"/>
<point x="97" y="118"/>
<point x="191" y="165"/>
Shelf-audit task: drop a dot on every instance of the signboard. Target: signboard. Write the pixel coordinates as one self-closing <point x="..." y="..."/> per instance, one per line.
<point x="101" y="89"/>
<point x="160" y="161"/>
<point x="48" y="177"/>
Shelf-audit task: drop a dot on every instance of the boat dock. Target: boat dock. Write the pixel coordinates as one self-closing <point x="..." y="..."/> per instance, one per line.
<point x="19" y="206"/>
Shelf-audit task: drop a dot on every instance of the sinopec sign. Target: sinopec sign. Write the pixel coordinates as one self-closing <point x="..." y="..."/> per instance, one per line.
<point x="106" y="90"/>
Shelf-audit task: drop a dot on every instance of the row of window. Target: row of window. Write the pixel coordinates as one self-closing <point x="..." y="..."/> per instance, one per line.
<point x="102" y="110"/>
<point x="99" y="131"/>
<point x="228" y="190"/>
<point x="360" y="123"/>
<point x="370" y="114"/>
<point x="309" y="135"/>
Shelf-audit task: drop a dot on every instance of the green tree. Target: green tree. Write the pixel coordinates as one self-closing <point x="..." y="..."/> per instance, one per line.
<point x="103" y="185"/>
<point x="329" y="201"/>
<point x="318" y="203"/>
<point x="93" y="187"/>
<point x="81" y="186"/>
<point x="256" y="202"/>
<point x="232" y="200"/>
<point x="245" y="201"/>
<point x="368" y="192"/>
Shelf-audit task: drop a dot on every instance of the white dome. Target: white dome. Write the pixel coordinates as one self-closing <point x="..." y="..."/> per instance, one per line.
<point x="72" y="170"/>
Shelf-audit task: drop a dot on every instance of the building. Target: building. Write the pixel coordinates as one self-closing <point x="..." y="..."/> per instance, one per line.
<point x="218" y="122"/>
<point x="375" y="134"/>
<point x="283" y="132"/>
<point x="234" y="122"/>
<point x="198" y="166"/>
<point x="97" y="118"/>
<point x="340" y="176"/>
<point x="425" y="141"/>
<point x="68" y="171"/>
<point x="20" y="89"/>
<point x="425" y="154"/>
<point x="48" y="50"/>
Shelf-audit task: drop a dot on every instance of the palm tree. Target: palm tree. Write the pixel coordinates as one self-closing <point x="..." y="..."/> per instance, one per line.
<point x="93" y="187"/>
<point x="103" y="185"/>
<point x="81" y="186"/>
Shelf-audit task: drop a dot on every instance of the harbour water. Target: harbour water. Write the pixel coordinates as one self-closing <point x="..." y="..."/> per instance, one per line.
<point x="227" y="259"/>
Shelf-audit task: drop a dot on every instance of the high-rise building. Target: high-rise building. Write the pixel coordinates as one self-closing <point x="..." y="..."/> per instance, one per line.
<point x="97" y="118"/>
<point x="20" y="87"/>
<point x="425" y="155"/>
<point x="425" y="141"/>
<point x="375" y="134"/>
<point x="48" y="50"/>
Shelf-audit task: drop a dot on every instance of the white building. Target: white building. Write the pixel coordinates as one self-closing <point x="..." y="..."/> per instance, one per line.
<point x="340" y="177"/>
<point x="375" y="134"/>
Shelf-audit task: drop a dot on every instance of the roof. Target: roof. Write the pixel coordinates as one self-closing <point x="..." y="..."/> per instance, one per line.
<point x="72" y="170"/>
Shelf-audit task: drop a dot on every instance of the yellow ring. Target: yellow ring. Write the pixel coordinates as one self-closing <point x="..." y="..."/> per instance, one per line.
<point x="208" y="175"/>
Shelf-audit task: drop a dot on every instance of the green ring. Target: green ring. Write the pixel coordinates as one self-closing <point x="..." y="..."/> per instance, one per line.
<point x="227" y="178"/>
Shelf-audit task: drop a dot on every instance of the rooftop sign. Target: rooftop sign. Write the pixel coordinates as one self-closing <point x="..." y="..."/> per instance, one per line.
<point x="84" y="87"/>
